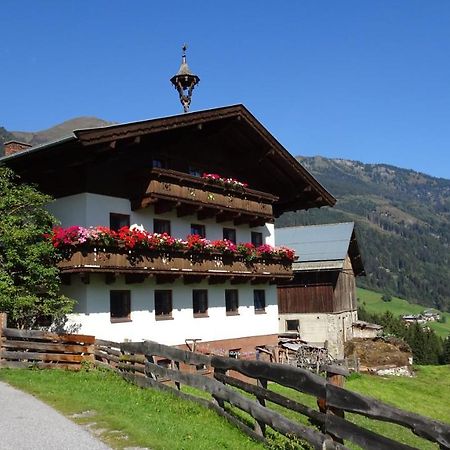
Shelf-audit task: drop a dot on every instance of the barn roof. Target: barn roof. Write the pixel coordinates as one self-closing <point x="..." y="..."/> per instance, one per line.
<point x="322" y="247"/>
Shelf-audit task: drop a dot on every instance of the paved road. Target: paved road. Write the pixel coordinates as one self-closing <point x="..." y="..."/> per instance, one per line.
<point x="28" y="424"/>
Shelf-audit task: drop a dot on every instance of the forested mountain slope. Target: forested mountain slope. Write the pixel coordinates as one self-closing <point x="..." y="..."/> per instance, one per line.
<point x="403" y="225"/>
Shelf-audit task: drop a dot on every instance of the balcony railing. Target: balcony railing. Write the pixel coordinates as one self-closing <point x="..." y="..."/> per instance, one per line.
<point x="170" y="265"/>
<point x="169" y="189"/>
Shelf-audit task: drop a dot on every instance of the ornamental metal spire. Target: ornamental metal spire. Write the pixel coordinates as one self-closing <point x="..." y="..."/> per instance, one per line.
<point x="184" y="82"/>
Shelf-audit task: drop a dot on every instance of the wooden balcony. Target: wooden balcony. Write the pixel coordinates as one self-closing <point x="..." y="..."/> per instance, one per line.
<point x="169" y="189"/>
<point x="166" y="267"/>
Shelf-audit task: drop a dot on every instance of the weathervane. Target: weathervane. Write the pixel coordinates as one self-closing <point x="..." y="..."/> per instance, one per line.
<point x="184" y="82"/>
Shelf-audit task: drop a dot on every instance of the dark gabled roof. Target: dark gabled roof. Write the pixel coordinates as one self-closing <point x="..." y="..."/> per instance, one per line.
<point x="298" y="189"/>
<point x="322" y="247"/>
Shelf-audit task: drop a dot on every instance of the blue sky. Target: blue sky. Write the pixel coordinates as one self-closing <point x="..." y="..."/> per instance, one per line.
<point x="364" y="80"/>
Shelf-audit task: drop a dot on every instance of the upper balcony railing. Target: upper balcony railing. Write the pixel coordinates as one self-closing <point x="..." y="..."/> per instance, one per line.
<point x="188" y="194"/>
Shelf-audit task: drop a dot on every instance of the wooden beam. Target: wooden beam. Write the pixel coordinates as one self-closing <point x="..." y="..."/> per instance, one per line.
<point x="167" y="278"/>
<point x="207" y="213"/>
<point x="245" y="218"/>
<point x="131" y="278"/>
<point x="257" y="223"/>
<point x="187" y="209"/>
<point x="240" y="280"/>
<point x="192" y="279"/>
<point x="163" y="206"/>
<point x="260" y="280"/>
<point x="110" y="277"/>
<point x="219" y="279"/>
<point x="84" y="277"/>
<point x="141" y="203"/>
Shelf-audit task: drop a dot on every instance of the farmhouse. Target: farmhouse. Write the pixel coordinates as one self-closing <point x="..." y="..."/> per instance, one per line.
<point x="320" y="301"/>
<point x="218" y="176"/>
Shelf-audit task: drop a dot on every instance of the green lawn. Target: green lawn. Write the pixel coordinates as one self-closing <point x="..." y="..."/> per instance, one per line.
<point x="372" y="302"/>
<point x="157" y="420"/>
<point x="146" y="417"/>
<point x="427" y="394"/>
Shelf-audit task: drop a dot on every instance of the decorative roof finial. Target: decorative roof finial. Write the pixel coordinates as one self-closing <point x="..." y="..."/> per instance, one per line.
<point x="185" y="81"/>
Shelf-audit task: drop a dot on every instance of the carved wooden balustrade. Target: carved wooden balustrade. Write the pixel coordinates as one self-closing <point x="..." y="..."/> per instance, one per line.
<point x="169" y="189"/>
<point x="215" y="267"/>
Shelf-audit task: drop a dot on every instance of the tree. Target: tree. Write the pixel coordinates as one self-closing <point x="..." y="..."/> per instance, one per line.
<point x="29" y="278"/>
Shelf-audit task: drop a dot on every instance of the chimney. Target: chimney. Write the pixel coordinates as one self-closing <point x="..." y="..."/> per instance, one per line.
<point x="12" y="147"/>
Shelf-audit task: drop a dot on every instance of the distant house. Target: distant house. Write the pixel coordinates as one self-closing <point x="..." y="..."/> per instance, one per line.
<point x="413" y="318"/>
<point x="366" y="330"/>
<point x="320" y="301"/>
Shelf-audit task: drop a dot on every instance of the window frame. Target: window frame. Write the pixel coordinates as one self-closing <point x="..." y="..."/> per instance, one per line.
<point x="232" y="312"/>
<point x="257" y="238"/>
<point x="199" y="313"/>
<point x="163" y="316"/>
<point x="162" y="221"/>
<point x="233" y="231"/>
<point x="297" y="329"/>
<point x="126" y="295"/>
<point x="118" y="216"/>
<point x="201" y="227"/>
<point x="257" y="293"/>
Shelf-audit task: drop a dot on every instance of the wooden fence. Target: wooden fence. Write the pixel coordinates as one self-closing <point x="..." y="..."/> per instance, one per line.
<point x="149" y="364"/>
<point x="33" y="348"/>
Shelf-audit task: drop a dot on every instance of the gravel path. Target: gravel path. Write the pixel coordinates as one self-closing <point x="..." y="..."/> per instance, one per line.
<point x="29" y="424"/>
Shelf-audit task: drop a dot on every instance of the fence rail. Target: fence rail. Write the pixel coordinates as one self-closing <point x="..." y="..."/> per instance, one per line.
<point x="241" y="384"/>
<point x="150" y="364"/>
<point x="33" y="348"/>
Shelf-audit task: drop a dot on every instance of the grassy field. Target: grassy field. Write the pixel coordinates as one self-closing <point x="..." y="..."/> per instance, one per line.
<point x="158" y="420"/>
<point x="133" y="416"/>
<point x="427" y="394"/>
<point x="372" y="302"/>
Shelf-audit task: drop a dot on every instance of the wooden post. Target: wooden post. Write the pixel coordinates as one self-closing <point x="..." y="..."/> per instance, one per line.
<point x="3" y="321"/>
<point x="335" y="376"/>
<point x="218" y="400"/>
<point x="260" y="427"/>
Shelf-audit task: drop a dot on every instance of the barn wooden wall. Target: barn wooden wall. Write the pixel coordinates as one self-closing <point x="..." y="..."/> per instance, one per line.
<point x="319" y="292"/>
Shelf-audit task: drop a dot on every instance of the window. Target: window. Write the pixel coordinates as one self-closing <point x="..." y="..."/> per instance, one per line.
<point x="163" y="304"/>
<point x="259" y="299"/>
<point x="257" y="238"/>
<point x="198" y="229"/>
<point x="229" y="234"/>
<point x="292" y="325"/>
<point x="195" y="171"/>
<point x="161" y="226"/>
<point x="200" y="302"/>
<point x="234" y="353"/>
<point x="120" y="305"/>
<point x="160" y="163"/>
<point x="232" y="302"/>
<point x="117" y="221"/>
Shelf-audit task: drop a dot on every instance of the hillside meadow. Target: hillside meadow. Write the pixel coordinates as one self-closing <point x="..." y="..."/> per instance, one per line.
<point x="372" y="303"/>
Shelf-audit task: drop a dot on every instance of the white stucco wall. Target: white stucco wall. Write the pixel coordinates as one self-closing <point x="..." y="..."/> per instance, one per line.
<point x="92" y="313"/>
<point x="92" y="209"/>
<point x="95" y="301"/>
<point x="316" y="328"/>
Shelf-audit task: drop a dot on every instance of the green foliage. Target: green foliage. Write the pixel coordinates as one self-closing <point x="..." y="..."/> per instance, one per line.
<point x="403" y="225"/>
<point x="29" y="279"/>
<point x="386" y="298"/>
<point x="446" y="351"/>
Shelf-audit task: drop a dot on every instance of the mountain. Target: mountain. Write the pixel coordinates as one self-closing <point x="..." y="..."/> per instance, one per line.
<point x="403" y="225"/>
<point x="5" y="136"/>
<point x="58" y="131"/>
<point x="51" y="134"/>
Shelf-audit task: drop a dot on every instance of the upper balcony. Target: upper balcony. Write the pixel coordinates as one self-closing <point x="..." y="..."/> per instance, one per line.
<point x="188" y="194"/>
